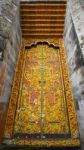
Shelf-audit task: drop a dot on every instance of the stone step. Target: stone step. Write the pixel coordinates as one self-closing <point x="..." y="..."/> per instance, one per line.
<point x="43" y="6"/>
<point x="25" y="15"/>
<point x="33" y="17"/>
<point x="42" y="25"/>
<point x="42" y="32"/>
<point x="34" y="12"/>
<point x="43" y="21"/>
<point x="42" y="36"/>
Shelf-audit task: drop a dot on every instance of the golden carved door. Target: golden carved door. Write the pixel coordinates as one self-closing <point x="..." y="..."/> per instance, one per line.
<point x="41" y="109"/>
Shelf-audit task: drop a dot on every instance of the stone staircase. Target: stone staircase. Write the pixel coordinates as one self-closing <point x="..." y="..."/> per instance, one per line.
<point x="42" y="20"/>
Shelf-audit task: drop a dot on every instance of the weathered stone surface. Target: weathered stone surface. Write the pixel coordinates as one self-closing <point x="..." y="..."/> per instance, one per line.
<point x="74" y="45"/>
<point x="77" y="13"/>
<point x="10" y="37"/>
<point x="2" y="43"/>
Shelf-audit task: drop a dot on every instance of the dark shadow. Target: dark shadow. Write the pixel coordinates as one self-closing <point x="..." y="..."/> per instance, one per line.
<point x="42" y="43"/>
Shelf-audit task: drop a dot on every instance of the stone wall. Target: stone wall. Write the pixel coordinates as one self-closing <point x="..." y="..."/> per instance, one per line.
<point x="10" y="38"/>
<point x="74" y="45"/>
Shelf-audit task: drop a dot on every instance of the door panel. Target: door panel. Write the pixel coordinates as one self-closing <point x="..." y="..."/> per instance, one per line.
<point x="41" y="107"/>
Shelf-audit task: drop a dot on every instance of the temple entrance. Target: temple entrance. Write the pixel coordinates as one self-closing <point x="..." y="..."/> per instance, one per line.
<point x="41" y="109"/>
